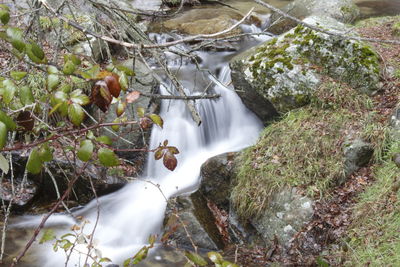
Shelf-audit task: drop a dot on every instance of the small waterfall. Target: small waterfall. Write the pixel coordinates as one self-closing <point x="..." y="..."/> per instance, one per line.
<point x="129" y="216"/>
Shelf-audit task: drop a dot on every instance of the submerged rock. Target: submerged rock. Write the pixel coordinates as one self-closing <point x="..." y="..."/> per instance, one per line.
<point x="342" y="10"/>
<point x="287" y="70"/>
<point x="204" y="21"/>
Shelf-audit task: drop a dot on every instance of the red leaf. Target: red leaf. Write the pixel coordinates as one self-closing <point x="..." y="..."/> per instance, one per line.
<point x="101" y="96"/>
<point x="132" y="96"/>
<point x="113" y="84"/>
<point x="170" y="161"/>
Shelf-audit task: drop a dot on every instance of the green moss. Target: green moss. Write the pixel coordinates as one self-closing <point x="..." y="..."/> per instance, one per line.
<point x="374" y="237"/>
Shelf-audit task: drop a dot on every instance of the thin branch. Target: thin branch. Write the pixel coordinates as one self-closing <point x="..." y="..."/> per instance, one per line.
<point x="174" y="97"/>
<point x="318" y="29"/>
<point x="47" y="216"/>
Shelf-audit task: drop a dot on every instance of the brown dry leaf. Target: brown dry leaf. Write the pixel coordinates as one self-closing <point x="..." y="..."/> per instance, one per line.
<point x="132" y="96"/>
<point x="26" y="120"/>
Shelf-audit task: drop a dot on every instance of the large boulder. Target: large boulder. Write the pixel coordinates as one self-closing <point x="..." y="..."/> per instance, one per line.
<point x="287" y="70"/>
<point x="342" y="10"/>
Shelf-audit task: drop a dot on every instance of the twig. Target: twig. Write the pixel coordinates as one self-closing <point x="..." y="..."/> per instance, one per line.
<point x="174" y="97"/>
<point x="318" y="29"/>
<point x="47" y="216"/>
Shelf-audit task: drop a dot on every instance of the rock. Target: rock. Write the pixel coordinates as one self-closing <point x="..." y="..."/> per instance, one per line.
<point x="342" y="10"/>
<point x="287" y="70"/>
<point x="287" y="213"/>
<point x="199" y="221"/>
<point x="204" y="21"/>
<point x="216" y="175"/>
<point x="357" y="154"/>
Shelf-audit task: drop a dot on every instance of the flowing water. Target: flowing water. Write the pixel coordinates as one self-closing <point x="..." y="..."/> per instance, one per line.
<point x="129" y="216"/>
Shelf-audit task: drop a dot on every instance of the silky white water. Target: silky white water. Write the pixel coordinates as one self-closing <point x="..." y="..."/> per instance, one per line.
<point x="129" y="216"/>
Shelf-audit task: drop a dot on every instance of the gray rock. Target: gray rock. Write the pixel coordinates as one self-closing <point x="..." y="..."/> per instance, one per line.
<point x="357" y="154"/>
<point x="199" y="222"/>
<point x="216" y="175"/>
<point x="342" y="10"/>
<point x="282" y="70"/>
<point x="286" y="214"/>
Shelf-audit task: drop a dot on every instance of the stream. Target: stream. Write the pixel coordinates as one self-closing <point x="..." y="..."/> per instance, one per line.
<point x="129" y="216"/>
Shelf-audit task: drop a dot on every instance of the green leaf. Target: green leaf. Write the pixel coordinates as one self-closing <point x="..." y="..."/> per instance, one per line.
<point x="79" y="98"/>
<point x="4" y="165"/>
<point x="9" y="91"/>
<point x="37" y="50"/>
<point x="18" y="75"/>
<point x="157" y="119"/>
<point x="4" y="16"/>
<point x="34" y="164"/>
<point x="16" y="37"/>
<point x="31" y="54"/>
<point x="228" y="264"/>
<point x="123" y="81"/>
<point x="107" y="157"/>
<point x="11" y="125"/>
<point x="126" y="70"/>
<point x="104" y="139"/>
<point x="195" y="258"/>
<point x="215" y="257"/>
<point x="76" y="114"/>
<point x="52" y="69"/>
<point x="173" y="150"/>
<point x="48" y="235"/>
<point x="3" y="135"/>
<point x="65" y="87"/>
<point x="76" y="60"/>
<point x="140" y="112"/>
<point x="141" y="255"/>
<point x="91" y="73"/>
<point x="52" y="81"/>
<point x="104" y="260"/>
<point x="85" y="151"/>
<point x="69" y="67"/>
<point x="45" y="153"/>
<point x="26" y="95"/>
<point x="121" y="106"/>
<point x="116" y="127"/>
<point x="59" y="97"/>
<point x="321" y="262"/>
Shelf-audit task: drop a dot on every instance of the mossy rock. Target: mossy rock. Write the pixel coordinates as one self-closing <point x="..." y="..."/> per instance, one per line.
<point x="287" y="69"/>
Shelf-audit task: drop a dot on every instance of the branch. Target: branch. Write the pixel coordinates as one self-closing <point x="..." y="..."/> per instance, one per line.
<point x="174" y="97"/>
<point x="69" y="132"/>
<point x="315" y="28"/>
<point x="145" y="46"/>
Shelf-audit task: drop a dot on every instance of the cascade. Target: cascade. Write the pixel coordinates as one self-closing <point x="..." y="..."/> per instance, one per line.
<point x="129" y="216"/>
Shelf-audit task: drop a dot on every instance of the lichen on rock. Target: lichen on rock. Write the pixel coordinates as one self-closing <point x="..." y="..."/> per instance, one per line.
<point x="287" y="69"/>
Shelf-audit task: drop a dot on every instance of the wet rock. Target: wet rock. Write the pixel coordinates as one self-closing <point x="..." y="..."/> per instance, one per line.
<point x="216" y="175"/>
<point x="204" y="21"/>
<point x="342" y="10"/>
<point x="199" y="223"/>
<point x="24" y="192"/>
<point x="284" y="70"/>
<point x="357" y="154"/>
<point x="287" y="213"/>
